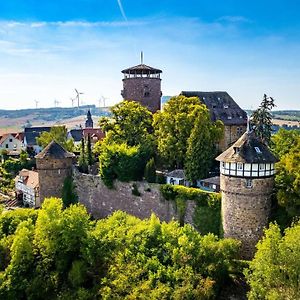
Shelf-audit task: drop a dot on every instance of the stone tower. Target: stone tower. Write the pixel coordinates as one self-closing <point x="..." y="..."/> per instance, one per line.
<point x="54" y="164"/>
<point x="143" y="84"/>
<point x="89" y="121"/>
<point x="247" y="179"/>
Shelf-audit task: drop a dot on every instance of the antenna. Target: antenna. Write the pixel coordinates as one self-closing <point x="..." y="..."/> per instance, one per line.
<point x="142" y="57"/>
<point x="77" y="97"/>
<point x="36" y="103"/>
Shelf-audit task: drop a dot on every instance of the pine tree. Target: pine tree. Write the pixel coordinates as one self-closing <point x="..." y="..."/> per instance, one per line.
<point x="69" y="195"/>
<point x="261" y="119"/>
<point x="90" y="159"/>
<point x="201" y="147"/>
<point x="82" y="162"/>
<point x="150" y="172"/>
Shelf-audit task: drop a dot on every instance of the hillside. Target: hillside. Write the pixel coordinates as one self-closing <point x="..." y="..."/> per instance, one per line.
<point x="16" y="120"/>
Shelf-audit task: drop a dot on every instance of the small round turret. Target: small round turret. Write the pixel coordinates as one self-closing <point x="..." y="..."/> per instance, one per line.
<point x="247" y="178"/>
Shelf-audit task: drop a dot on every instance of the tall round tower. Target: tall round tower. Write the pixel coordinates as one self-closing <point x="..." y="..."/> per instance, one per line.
<point x="246" y="181"/>
<point x="143" y="84"/>
<point x="54" y="164"/>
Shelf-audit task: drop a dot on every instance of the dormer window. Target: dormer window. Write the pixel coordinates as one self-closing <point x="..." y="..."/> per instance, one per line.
<point x="257" y="150"/>
<point x="225" y="106"/>
<point x="229" y="117"/>
<point x="236" y="150"/>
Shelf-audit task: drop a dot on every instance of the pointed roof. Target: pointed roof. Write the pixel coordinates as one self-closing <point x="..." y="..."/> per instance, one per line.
<point x="248" y="149"/>
<point x="54" y="150"/>
<point x="141" y="69"/>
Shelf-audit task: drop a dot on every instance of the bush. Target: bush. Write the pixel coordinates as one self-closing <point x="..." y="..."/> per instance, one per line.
<point x="150" y="172"/>
<point x="135" y="190"/>
<point x="122" y="162"/>
<point x="207" y="214"/>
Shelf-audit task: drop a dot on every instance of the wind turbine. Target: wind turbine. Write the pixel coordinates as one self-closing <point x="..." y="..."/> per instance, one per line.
<point x="36" y="103"/>
<point x="77" y="96"/>
<point x="56" y="102"/>
<point x="72" y="99"/>
<point x="102" y="99"/>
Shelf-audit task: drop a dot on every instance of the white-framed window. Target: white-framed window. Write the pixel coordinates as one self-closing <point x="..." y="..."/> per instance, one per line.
<point x="249" y="183"/>
<point x="223" y="164"/>
<point x="239" y="166"/>
<point x="261" y="167"/>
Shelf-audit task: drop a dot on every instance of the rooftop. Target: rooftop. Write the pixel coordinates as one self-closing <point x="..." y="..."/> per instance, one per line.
<point x="141" y="69"/>
<point x="54" y="150"/>
<point x="221" y="106"/>
<point x="248" y="149"/>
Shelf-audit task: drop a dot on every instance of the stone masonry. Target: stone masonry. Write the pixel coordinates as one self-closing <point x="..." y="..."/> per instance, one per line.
<point x="245" y="211"/>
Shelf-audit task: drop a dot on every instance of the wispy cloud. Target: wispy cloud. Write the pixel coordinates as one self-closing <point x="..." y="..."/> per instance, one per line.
<point x="122" y="10"/>
<point x="14" y="24"/>
<point x="234" y="19"/>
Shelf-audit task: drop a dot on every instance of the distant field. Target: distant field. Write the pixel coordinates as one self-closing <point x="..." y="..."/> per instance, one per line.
<point x="15" y="124"/>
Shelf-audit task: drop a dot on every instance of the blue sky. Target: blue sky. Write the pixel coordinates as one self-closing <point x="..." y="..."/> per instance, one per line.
<point x="248" y="48"/>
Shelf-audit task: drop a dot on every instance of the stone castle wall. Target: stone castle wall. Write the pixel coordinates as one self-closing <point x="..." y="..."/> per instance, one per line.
<point x="135" y="89"/>
<point x="245" y="211"/>
<point x="52" y="173"/>
<point x="101" y="201"/>
<point x="231" y="134"/>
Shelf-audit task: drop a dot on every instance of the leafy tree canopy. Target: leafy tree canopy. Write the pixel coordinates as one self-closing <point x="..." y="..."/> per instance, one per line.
<point x="57" y="253"/>
<point x="131" y="123"/>
<point x="174" y="126"/>
<point x="275" y="270"/>
<point x="58" y="134"/>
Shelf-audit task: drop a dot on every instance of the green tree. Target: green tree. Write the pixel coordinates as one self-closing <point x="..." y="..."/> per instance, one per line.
<point x="202" y="145"/>
<point x="58" y="134"/>
<point x="122" y="162"/>
<point x="150" y="171"/>
<point x="173" y="127"/>
<point x="275" y="270"/>
<point x="82" y="161"/>
<point x="131" y="123"/>
<point x="90" y="158"/>
<point x="261" y="119"/>
<point x="286" y="144"/>
<point x="69" y="195"/>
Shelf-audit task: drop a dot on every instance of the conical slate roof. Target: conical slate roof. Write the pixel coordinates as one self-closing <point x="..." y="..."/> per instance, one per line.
<point x="54" y="150"/>
<point x="248" y="149"/>
<point x="141" y="69"/>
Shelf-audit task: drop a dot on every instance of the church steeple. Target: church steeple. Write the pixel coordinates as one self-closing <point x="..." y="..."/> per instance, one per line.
<point x="89" y="121"/>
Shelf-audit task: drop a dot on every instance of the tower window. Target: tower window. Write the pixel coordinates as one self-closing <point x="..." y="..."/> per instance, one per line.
<point x="249" y="183"/>
<point x="261" y="167"/>
<point x="146" y="94"/>
<point x="239" y="166"/>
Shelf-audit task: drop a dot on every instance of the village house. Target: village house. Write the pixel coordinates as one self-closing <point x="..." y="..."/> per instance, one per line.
<point x="211" y="184"/>
<point x="177" y="177"/>
<point x="12" y="142"/>
<point x="27" y="188"/>
<point x="30" y="135"/>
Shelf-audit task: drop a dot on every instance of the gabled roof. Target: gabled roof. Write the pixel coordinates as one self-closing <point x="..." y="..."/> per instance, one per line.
<point x="30" y="178"/>
<point x="94" y="132"/>
<point x="31" y="133"/>
<point x="221" y="106"/>
<point x="248" y="149"/>
<point x="54" y="150"/>
<point x="178" y="173"/>
<point x="141" y="69"/>
<point x="76" y="134"/>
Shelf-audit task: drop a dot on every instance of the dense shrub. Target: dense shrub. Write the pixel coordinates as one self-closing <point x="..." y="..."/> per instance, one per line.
<point x="150" y="171"/>
<point x="275" y="270"/>
<point x="62" y="254"/>
<point x="207" y="215"/>
<point x="122" y="162"/>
